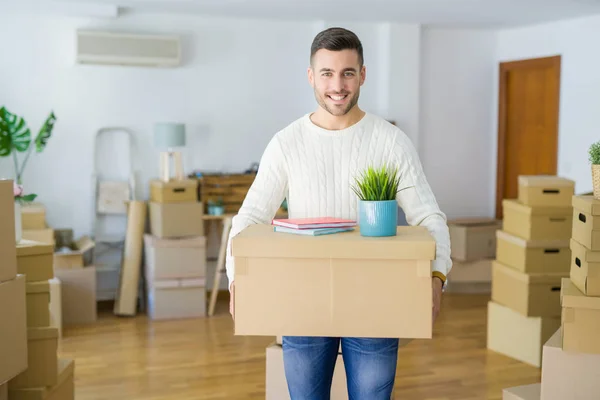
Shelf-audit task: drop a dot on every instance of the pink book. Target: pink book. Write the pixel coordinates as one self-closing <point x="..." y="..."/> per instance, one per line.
<point x="312" y="223"/>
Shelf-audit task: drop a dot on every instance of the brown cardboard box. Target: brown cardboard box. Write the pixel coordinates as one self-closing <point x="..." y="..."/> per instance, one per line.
<point x="174" y="191"/>
<point x="533" y="295"/>
<point x="525" y="392"/>
<point x="568" y="375"/>
<point x="586" y="221"/>
<point x="33" y="216"/>
<point x="79" y="256"/>
<point x="514" y="335"/>
<point x="34" y="260"/>
<point x="172" y="220"/>
<point x="539" y="223"/>
<point x="545" y="190"/>
<point x="42" y="360"/>
<point x="175" y="258"/>
<point x="533" y="256"/>
<point x="78" y="295"/>
<point x="64" y="389"/>
<point x="585" y="269"/>
<point x="580" y="320"/>
<point x="473" y="238"/>
<point x="39" y="235"/>
<point x="386" y="281"/>
<point x="177" y="298"/>
<point x="474" y="271"/>
<point x="38" y="304"/>
<point x="8" y="253"/>
<point x="13" y="334"/>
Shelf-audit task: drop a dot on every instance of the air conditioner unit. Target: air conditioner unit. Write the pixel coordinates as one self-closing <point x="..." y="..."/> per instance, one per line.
<point x="111" y="48"/>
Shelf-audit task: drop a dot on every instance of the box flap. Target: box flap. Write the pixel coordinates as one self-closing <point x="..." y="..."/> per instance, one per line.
<point x="42" y="333"/>
<point x="32" y="248"/>
<point x="260" y="240"/>
<point x="532" y="278"/>
<point x="587" y="204"/>
<point x="475" y="221"/>
<point x="514" y="204"/>
<point x="582" y="251"/>
<point x="543" y="244"/>
<point x="84" y="244"/>
<point x="38" y="287"/>
<point x="571" y="297"/>
<point x="174" y="183"/>
<point x="153" y="241"/>
<point x="545" y="181"/>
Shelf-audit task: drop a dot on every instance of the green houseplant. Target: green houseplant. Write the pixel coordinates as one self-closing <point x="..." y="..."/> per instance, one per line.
<point x="376" y="189"/>
<point x="594" y="157"/>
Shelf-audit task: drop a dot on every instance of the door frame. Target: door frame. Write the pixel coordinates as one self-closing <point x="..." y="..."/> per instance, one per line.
<point x="505" y="68"/>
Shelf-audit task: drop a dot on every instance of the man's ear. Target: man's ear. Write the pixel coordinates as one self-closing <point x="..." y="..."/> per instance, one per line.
<point x="311" y="76"/>
<point x="363" y="74"/>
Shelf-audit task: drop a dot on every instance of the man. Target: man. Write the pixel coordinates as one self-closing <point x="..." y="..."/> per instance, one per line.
<point x="312" y="164"/>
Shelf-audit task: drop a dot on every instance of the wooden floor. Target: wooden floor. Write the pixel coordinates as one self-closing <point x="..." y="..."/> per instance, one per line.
<point x="135" y="359"/>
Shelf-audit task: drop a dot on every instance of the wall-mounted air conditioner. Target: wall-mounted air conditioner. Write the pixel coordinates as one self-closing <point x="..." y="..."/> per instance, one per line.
<point x="111" y="48"/>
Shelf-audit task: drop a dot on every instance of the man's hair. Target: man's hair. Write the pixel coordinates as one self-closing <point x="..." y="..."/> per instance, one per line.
<point x="337" y="39"/>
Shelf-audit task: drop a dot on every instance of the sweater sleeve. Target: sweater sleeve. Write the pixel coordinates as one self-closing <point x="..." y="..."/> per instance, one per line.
<point x="420" y="205"/>
<point x="264" y="198"/>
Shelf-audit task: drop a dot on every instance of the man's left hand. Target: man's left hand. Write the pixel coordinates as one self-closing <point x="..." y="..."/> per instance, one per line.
<point x="436" y="286"/>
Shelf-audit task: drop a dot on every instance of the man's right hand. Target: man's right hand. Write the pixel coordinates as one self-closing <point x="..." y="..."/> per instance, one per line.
<point x="232" y="300"/>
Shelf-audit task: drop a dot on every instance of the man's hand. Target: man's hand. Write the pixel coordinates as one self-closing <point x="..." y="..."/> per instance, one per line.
<point x="436" y="286"/>
<point x="232" y="300"/>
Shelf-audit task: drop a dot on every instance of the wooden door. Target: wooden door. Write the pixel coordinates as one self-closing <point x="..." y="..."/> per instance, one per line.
<point x="527" y="123"/>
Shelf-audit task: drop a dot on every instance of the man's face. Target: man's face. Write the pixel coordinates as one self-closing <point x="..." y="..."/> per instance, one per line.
<point x="336" y="77"/>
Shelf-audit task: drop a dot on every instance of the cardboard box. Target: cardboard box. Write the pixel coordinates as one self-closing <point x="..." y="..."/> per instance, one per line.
<point x="175" y="258"/>
<point x="173" y="220"/>
<point x="322" y="283"/>
<point x="64" y="389"/>
<point x="473" y="238"/>
<point x="33" y="216"/>
<point x="586" y="221"/>
<point x="38" y="304"/>
<point x="78" y="295"/>
<point x="533" y="256"/>
<point x="585" y="269"/>
<point x="8" y="253"/>
<point x="34" y="260"/>
<point x="545" y="190"/>
<point x="39" y="235"/>
<point x="568" y="375"/>
<point x="177" y="298"/>
<point x="580" y="320"/>
<point x="525" y="392"/>
<point x="537" y="223"/>
<point x="474" y="271"/>
<point x="533" y="295"/>
<point x="79" y="256"/>
<point x="42" y="360"/>
<point x="514" y="335"/>
<point x="174" y="191"/>
<point x="13" y="335"/>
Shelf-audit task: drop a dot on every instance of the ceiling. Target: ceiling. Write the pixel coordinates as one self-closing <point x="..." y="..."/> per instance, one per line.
<point x="467" y="13"/>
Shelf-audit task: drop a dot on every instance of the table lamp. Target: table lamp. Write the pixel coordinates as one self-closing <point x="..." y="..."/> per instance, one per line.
<point x="170" y="135"/>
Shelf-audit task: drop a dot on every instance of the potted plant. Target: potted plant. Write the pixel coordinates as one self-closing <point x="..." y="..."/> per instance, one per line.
<point x="20" y="198"/>
<point x="376" y="189"/>
<point x="594" y="156"/>
<point x="216" y="207"/>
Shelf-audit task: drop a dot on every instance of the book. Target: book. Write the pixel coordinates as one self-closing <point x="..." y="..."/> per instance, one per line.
<point x="313" y="223"/>
<point x="312" y="232"/>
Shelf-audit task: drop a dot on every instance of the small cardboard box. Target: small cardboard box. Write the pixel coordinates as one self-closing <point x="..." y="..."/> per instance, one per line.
<point x="64" y="389"/>
<point x="580" y="320"/>
<point x="79" y="256"/>
<point x="322" y="283"/>
<point x="586" y="221"/>
<point x="569" y="375"/>
<point x="38" y="304"/>
<point x="533" y="295"/>
<point x="537" y="223"/>
<point x="34" y="260"/>
<point x="45" y="235"/>
<point x="474" y="271"/>
<point x="8" y="253"/>
<point x="514" y="335"/>
<point x="473" y="238"/>
<point x="174" y="191"/>
<point x="78" y="295"/>
<point x="175" y="258"/>
<point x="13" y="334"/>
<point x="545" y="190"/>
<point x="33" y="216"/>
<point x="525" y="392"/>
<point x="42" y="360"/>
<point x="533" y="256"/>
<point x="177" y="298"/>
<point x="174" y="220"/>
<point x="585" y="269"/>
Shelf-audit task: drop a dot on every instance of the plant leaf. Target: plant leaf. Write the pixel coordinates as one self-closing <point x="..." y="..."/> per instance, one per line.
<point x="41" y="139"/>
<point x="28" y="198"/>
<point x="18" y="132"/>
<point x="4" y="139"/>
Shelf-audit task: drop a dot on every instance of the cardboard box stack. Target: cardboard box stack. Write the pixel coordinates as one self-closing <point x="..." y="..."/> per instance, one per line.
<point x="34" y="225"/>
<point x="532" y="257"/>
<point x="175" y="251"/>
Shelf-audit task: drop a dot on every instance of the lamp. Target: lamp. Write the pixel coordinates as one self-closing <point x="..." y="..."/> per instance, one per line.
<point x="169" y="135"/>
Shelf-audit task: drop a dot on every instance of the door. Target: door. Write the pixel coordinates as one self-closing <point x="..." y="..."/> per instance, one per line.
<point x="527" y="123"/>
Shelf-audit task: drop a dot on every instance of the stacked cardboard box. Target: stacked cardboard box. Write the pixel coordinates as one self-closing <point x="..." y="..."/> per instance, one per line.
<point x="175" y="252"/>
<point x="532" y="257"/>
<point x="34" y="225"/>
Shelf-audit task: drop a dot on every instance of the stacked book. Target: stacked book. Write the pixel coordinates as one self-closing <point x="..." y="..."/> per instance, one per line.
<point x="313" y="226"/>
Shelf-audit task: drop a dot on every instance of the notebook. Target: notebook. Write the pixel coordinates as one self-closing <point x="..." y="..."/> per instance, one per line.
<point x="312" y="232"/>
<point x="312" y="223"/>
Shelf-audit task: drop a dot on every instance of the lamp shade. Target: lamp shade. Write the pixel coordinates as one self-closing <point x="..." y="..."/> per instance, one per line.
<point x="169" y="134"/>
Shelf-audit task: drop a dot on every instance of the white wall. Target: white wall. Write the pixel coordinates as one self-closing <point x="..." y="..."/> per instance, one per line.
<point x="579" y="123"/>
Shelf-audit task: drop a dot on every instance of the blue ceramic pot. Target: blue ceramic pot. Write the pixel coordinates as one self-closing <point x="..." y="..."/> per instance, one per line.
<point x="378" y="218"/>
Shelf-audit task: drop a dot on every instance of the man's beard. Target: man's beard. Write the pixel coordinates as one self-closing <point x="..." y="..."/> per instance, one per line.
<point x="336" y="110"/>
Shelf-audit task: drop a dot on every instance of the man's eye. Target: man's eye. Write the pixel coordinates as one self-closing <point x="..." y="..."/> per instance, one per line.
<point x="349" y="74"/>
<point x="327" y="74"/>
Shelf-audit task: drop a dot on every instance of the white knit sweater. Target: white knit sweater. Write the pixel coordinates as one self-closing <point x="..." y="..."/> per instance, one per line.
<point x="314" y="169"/>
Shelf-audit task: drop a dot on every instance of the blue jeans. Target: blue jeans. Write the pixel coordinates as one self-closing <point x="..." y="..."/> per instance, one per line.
<point x="370" y="365"/>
